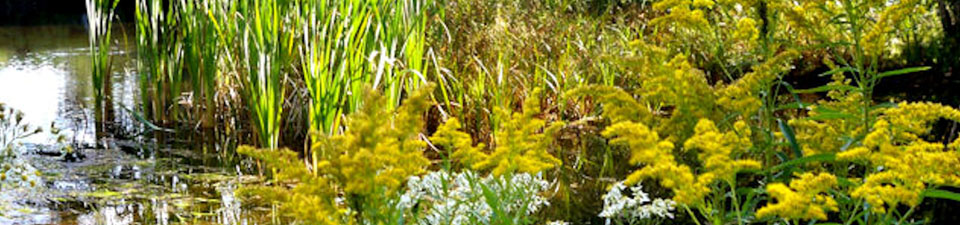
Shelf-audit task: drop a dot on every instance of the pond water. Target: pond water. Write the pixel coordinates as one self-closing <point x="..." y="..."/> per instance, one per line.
<point x="123" y="179"/>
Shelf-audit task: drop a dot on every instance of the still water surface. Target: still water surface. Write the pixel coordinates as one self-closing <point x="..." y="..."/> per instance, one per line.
<point x="133" y="179"/>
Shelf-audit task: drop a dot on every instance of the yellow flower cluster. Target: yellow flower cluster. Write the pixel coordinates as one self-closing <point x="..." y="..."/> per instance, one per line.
<point x="717" y="148"/>
<point x="311" y="200"/>
<point x="805" y="198"/>
<point x="618" y="105"/>
<point x="875" y="40"/>
<point x="520" y="146"/>
<point x="685" y="13"/>
<point x="909" y="163"/>
<point x="747" y="31"/>
<point x="742" y="95"/>
<point x="817" y="137"/>
<point x="647" y="149"/>
<point x="449" y="136"/>
<point x="381" y="149"/>
<point x="680" y="86"/>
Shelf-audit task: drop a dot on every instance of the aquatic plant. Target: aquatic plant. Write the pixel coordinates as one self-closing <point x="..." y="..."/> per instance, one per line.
<point x="263" y="89"/>
<point x="348" y="45"/>
<point x="13" y="130"/>
<point x="333" y="58"/>
<point x="100" y="15"/>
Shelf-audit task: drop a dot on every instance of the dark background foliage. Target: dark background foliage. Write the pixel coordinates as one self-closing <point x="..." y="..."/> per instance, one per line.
<point x="40" y="12"/>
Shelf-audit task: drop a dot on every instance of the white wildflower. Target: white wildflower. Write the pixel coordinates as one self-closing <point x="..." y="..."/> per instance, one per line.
<point x="459" y="198"/>
<point x="617" y="206"/>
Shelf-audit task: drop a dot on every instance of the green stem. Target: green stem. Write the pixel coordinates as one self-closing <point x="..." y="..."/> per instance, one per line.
<point x="853" y="214"/>
<point x="736" y="204"/>
<point x="692" y="216"/>
<point x="904" y="217"/>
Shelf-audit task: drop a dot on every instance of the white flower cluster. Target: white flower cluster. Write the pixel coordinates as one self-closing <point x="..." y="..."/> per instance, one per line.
<point x="616" y="206"/>
<point x="462" y="198"/>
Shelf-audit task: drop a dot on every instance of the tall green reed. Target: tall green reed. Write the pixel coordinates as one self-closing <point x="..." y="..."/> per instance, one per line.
<point x="100" y="24"/>
<point x="262" y="51"/>
<point x="160" y="54"/>
<point x="243" y="51"/>
<point x="201" y="55"/>
<point x="348" y="45"/>
<point x="330" y="53"/>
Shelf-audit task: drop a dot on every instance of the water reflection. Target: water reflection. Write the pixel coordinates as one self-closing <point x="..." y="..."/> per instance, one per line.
<point x="45" y="72"/>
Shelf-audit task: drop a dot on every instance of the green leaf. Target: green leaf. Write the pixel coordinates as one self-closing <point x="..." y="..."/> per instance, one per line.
<point x="826" y="157"/>
<point x="837" y="70"/>
<point x="792" y="105"/>
<point x="902" y="71"/>
<point x="942" y="194"/>
<point x="788" y="133"/>
<point x="830" y="116"/>
<point x="828" y="87"/>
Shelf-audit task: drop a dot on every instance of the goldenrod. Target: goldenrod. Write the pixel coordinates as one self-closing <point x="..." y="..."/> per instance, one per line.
<point x="909" y="162"/>
<point x="717" y="148"/>
<point x="647" y="149"/>
<point x="805" y="198"/>
<point x="743" y="95"/>
<point x="519" y="143"/>
<point x="450" y="136"/>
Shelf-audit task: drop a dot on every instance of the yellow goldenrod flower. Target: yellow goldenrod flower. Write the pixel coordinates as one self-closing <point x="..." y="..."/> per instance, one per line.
<point x="684" y="13"/>
<point x="520" y="144"/>
<point x="746" y="31"/>
<point x="682" y="86"/>
<point x="742" y="95"/>
<point x="874" y="41"/>
<point x="618" y="105"/>
<point x="450" y="136"/>
<point x="717" y="148"/>
<point x="805" y="198"/>
<point x="909" y="162"/>
<point x="647" y="149"/>
<point x="382" y="148"/>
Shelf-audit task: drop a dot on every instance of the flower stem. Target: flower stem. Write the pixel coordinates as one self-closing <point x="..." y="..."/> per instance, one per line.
<point x="692" y="216"/>
<point x="904" y="217"/>
<point x="736" y="204"/>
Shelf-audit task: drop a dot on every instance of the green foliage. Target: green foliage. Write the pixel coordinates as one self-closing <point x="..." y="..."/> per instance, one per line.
<point x="348" y="45"/>
<point x="367" y="164"/>
<point x="263" y="44"/>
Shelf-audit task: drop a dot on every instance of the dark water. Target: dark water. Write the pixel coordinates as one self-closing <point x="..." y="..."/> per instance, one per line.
<point x="45" y="72"/>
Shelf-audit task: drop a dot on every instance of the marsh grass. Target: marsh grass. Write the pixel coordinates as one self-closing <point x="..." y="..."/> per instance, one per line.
<point x="100" y="30"/>
<point x="248" y="56"/>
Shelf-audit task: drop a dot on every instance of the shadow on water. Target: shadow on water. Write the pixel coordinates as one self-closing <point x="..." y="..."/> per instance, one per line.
<point x="125" y="178"/>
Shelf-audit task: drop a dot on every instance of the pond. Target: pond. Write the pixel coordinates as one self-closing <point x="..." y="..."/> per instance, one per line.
<point x="130" y="177"/>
